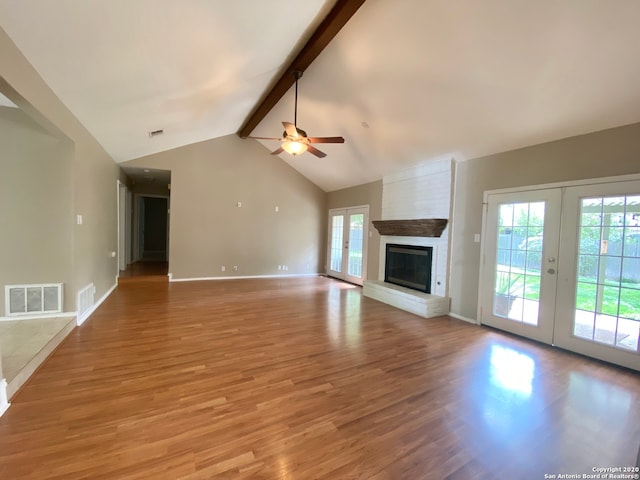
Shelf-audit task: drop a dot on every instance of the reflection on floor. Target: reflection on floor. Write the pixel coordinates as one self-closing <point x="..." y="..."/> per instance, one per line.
<point x="145" y="271"/>
<point x="26" y="343"/>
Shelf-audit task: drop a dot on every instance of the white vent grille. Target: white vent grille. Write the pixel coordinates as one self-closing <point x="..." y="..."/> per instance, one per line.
<point x="33" y="299"/>
<point x="85" y="302"/>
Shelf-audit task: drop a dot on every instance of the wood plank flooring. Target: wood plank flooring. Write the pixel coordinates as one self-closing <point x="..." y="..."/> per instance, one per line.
<point x="144" y="271"/>
<point x="303" y="378"/>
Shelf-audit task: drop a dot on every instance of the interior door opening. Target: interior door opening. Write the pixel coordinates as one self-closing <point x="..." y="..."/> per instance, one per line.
<point x="143" y="223"/>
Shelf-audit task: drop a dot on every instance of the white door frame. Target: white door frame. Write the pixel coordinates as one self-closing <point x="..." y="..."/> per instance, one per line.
<point x="121" y="201"/>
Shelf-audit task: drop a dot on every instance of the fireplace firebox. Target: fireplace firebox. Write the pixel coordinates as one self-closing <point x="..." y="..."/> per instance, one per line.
<point x="409" y="266"/>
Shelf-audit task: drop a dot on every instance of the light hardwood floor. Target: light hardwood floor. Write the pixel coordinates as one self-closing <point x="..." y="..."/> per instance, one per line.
<point x="303" y="378"/>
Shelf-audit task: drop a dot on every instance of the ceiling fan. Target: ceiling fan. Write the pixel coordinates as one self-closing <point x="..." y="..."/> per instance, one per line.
<point x="295" y="140"/>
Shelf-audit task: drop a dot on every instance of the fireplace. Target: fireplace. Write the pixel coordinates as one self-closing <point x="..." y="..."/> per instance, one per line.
<point x="409" y="266"/>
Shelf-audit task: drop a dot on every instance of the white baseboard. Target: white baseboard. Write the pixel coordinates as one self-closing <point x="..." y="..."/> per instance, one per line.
<point x="38" y="316"/>
<point x="88" y="313"/>
<point x="4" y="403"/>
<point x="203" y="279"/>
<point x="466" y="319"/>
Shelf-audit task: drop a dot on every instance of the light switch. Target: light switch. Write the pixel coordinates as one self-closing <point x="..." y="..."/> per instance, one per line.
<point x="79" y="219"/>
<point x="476" y="238"/>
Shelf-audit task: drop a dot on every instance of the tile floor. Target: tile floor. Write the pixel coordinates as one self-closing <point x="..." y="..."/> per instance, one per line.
<point x="26" y="343"/>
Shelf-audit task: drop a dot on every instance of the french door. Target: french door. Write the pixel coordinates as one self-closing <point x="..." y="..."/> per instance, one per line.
<point x="562" y="266"/>
<point x="600" y="312"/>
<point x="347" y="244"/>
<point x="522" y="232"/>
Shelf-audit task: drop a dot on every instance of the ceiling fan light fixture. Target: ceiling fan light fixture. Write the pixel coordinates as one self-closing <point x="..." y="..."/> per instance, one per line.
<point x="293" y="147"/>
<point x="295" y="140"/>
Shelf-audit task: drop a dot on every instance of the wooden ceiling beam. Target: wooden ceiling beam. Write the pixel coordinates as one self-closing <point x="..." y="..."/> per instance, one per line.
<point x="337" y="18"/>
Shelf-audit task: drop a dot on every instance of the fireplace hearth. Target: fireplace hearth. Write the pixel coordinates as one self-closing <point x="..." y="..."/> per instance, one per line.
<point x="409" y="266"/>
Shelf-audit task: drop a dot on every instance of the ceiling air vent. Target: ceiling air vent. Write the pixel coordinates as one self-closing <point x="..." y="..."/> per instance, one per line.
<point x="155" y="133"/>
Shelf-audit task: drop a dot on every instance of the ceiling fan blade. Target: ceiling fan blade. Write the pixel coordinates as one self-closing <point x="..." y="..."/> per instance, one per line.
<point x="264" y="138"/>
<point x="315" y="151"/>
<point x="326" y="139"/>
<point x="277" y="151"/>
<point x="290" y="128"/>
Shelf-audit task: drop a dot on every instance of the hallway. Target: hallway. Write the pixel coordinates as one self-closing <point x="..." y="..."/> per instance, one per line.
<point x="144" y="271"/>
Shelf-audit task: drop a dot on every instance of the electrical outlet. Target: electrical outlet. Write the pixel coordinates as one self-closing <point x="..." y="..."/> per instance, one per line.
<point x="235" y="268"/>
<point x="223" y="268"/>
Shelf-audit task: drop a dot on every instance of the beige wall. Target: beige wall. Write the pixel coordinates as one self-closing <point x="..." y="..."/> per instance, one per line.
<point x="606" y="153"/>
<point x="367" y="194"/>
<point x="36" y="204"/>
<point x="208" y="229"/>
<point x="93" y="173"/>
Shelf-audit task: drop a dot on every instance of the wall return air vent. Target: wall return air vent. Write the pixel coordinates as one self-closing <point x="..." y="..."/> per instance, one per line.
<point x="33" y="299"/>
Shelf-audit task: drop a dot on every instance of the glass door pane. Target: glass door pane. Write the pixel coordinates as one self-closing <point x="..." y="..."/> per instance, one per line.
<point x="337" y="239"/>
<point x="607" y="305"/>
<point x="355" y="243"/>
<point x="520" y="233"/>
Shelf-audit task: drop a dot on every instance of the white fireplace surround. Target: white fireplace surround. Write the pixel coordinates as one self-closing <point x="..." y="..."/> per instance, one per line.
<point x="423" y="304"/>
<point x="423" y="191"/>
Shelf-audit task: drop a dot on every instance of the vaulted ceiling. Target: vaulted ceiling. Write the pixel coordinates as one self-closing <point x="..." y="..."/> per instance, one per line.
<point x="404" y="81"/>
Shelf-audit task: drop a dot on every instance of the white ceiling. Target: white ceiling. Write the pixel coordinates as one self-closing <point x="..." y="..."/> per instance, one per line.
<point x="429" y="77"/>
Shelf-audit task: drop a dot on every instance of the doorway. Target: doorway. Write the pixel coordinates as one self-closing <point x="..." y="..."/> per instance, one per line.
<point x="152" y="226"/>
<point x="147" y="225"/>
<point x="562" y="266"/>
<point x="347" y="244"/>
